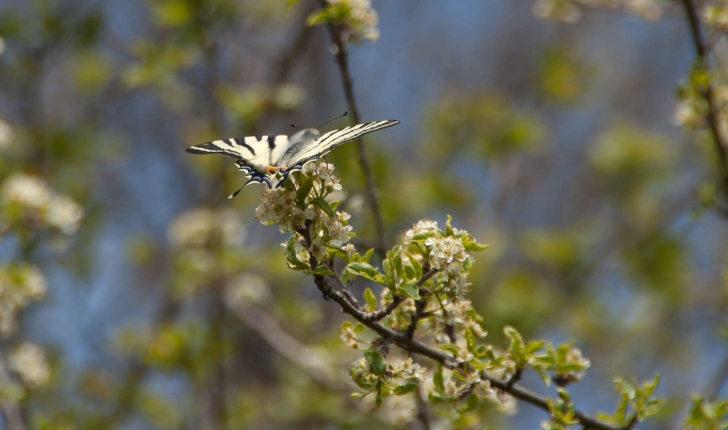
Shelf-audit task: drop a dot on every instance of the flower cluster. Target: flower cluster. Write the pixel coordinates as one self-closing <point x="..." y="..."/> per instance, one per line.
<point x="20" y="284"/>
<point x="446" y="251"/>
<point x="357" y="18"/>
<point x="30" y="201"/>
<point x="278" y="206"/>
<point x="715" y="17"/>
<point x="302" y="205"/>
<point x="569" y="11"/>
<point x="29" y="362"/>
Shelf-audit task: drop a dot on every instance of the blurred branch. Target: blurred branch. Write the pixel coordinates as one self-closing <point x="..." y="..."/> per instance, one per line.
<point x="342" y="62"/>
<point x="10" y="410"/>
<point x="713" y="114"/>
<point x="315" y="363"/>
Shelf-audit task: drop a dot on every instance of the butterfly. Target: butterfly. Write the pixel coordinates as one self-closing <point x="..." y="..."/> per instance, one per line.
<point x="261" y="158"/>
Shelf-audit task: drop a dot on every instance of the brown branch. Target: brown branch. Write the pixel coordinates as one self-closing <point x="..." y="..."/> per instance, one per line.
<point x="342" y="62"/>
<point x="713" y="114"/>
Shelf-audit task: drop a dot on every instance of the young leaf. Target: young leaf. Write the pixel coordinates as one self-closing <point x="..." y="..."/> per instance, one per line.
<point x="324" y="206"/>
<point x="323" y="270"/>
<point x="370" y="299"/>
<point x="365" y="271"/>
<point x="411" y="290"/>
<point x="377" y="364"/>
<point x="405" y="388"/>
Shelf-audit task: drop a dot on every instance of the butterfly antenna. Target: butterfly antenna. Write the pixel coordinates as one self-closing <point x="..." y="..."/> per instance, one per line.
<point x="340" y="116"/>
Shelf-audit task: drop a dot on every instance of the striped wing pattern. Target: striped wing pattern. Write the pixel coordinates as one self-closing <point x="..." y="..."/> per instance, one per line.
<point x="253" y="155"/>
<point x="328" y="141"/>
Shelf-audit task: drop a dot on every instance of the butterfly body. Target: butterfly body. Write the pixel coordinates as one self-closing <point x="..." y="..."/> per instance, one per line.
<point x="261" y="158"/>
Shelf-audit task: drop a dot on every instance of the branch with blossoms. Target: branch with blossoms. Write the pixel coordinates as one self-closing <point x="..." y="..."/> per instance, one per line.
<point x="423" y="310"/>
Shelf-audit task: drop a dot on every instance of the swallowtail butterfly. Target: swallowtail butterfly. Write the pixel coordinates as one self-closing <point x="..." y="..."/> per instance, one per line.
<point x="262" y="157"/>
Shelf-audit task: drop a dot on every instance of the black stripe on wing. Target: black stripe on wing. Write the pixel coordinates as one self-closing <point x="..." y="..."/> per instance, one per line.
<point x="334" y="138"/>
<point x="328" y="141"/>
<point x="246" y="148"/>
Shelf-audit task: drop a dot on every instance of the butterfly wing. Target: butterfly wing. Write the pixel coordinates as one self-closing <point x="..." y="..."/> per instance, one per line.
<point x="328" y="141"/>
<point x="253" y="155"/>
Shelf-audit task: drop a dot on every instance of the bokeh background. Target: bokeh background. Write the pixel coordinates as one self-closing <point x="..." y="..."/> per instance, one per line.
<point x="158" y="303"/>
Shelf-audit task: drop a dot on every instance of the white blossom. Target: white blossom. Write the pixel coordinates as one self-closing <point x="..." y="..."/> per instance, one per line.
<point x="29" y="362"/>
<point x="348" y="336"/>
<point x="362" y="21"/>
<point x="20" y="284"/>
<point x="422" y="226"/>
<point x="445" y="250"/>
<point x="39" y="203"/>
<point x="278" y="206"/>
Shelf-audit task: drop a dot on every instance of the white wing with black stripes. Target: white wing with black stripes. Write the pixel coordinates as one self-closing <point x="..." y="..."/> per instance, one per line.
<point x="262" y="157"/>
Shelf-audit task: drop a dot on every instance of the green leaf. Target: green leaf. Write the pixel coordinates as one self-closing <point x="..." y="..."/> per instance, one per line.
<point x="448" y="228"/>
<point x="409" y="272"/>
<point x="471" y="245"/>
<point x="405" y="388"/>
<point x="370" y="299"/>
<point x="365" y="271"/>
<point x="317" y="17"/>
<point x="450" y="347"/>
<point x="323" y="270"/>
<point x="422" y="236"/>
<point x="410" y="290"/>
<point x="380" y="393"/>
<point x="470" y="404"/>
<point x="438" y="379"/>
<point x="368" y="255"/>
<point x="324" y="206"/>
<point x="416" y="265"/>
<point x="303" y="190"/>
<point x="293" y="261"/>
<point x="377" y="363"/>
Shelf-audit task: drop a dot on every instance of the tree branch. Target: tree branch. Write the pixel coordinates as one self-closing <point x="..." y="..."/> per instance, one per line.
<point x="342" y="62"/>
<point x="713" y="114"/>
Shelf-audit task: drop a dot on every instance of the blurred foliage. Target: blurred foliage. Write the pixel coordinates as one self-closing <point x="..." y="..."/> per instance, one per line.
<point x="589" y="234"/>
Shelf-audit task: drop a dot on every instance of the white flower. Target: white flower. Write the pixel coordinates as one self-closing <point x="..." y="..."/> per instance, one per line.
<point x="348" y="336"/>
<point x="278" y="206"/>
<point x="26" y="190"/>
<point x="64" y="214"/>
<point x="41" y="203"/>
<point x="29" y="361"/>
<point x="446" y="250"/>
<point x="20" y="284"/>
<point x="422" y="226"/>
<point x="362" y="21"/>
<point x="349" y="249"/>
<point x="337" y="229"/>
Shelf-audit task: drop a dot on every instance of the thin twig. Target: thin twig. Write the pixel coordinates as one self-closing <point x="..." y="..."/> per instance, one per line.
<point x="316" y="364"/>
<point x="342" y="62"/>
<point x="713" y="115"/>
